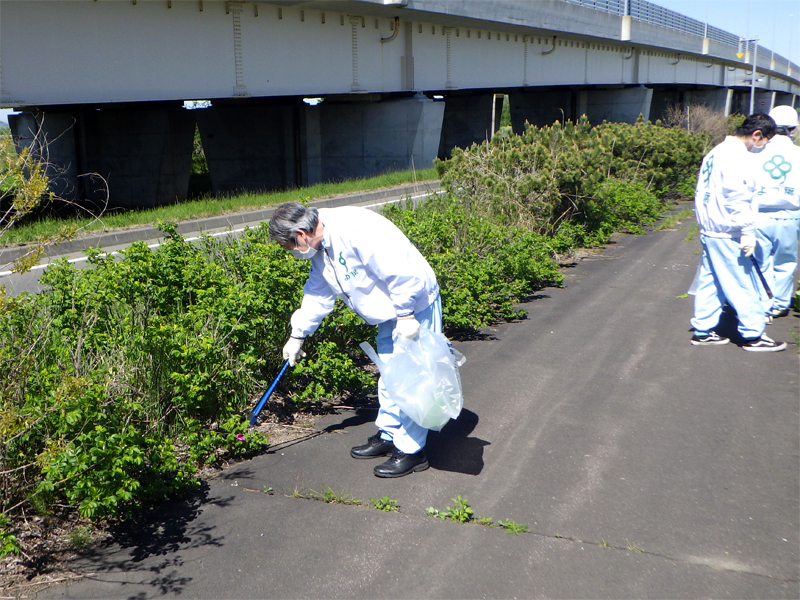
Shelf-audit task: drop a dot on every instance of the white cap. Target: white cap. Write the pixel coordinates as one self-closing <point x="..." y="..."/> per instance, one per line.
<point x="784" y="116"/>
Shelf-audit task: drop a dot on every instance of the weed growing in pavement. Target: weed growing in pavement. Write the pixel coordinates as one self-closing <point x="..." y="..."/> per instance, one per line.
<point x="384" y="504"/>
<point x="330" y="496"/>
<point x="435" y="513"/>
<point x="512" y="527"/>
<point x="633" y="548"/>
<point x="691" y="234"/>
<point x="460" y="512"/>
<point x="604" y="544"/>
<point x="303" y="494"/>
<point x="796" y="337"/>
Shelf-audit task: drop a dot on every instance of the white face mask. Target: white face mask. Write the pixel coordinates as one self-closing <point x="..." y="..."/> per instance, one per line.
<point x="757" y="149"/>
<point x="304" y="254"/>
<point x="307" y="254"/>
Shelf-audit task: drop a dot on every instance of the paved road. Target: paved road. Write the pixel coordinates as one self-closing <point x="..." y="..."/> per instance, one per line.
<point x="644" y="467"/>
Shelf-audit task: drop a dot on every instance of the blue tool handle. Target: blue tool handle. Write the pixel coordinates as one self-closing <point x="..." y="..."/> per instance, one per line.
<point x="761" y="277"/>
<point x="253" y="416"/>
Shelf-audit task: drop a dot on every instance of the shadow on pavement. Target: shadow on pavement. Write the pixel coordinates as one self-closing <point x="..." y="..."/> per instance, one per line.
<point x="162" y="530"/>
<point x="451" y="449"/>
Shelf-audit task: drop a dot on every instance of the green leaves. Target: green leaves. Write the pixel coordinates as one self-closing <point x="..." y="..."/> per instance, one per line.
<point x="549" y="176"/>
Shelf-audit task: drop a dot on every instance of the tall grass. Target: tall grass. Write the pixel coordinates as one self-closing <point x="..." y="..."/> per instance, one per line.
<point x="209" y="206"/>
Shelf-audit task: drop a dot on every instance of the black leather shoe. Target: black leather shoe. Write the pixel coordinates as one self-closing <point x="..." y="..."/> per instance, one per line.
<point x="375" y="446"/>
<point x="400" y="464"/>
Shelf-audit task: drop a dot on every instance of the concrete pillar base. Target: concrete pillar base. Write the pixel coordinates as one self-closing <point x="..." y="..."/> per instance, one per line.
<point x="467" y="120"/>
<point x="52" y="137"/>
<point x="617" y="106"/>
<point x="249" y="147"/>
<point x="784" y="99"/>
<point x="361" y="139"/>
<point x="142" y="155"/>
<point x="541" y="108"/>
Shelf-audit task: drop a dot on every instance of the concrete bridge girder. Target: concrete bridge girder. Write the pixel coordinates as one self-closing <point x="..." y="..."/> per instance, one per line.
<point x="261" y="49"/>
<point x="255" y="60"/>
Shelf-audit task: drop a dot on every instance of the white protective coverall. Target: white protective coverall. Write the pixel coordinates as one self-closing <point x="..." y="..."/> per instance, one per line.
<point x="371" y="265"/>
<point x="725" y="209"/>
<point x="777" y="174"/>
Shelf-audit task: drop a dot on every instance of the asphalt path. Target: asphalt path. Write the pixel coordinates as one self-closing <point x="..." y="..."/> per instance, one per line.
<point x="643" y="467"/>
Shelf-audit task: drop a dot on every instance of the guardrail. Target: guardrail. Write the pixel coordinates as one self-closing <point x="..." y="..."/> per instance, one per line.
<point x="648" y="12"/>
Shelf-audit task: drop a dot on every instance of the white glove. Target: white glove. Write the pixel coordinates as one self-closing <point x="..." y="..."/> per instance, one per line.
<point x="748" y="244"/>
<point x="407" y="327"/>
<point x="292" y="351"/>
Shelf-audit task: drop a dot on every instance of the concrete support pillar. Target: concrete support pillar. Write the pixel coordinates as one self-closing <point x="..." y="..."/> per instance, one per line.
<point x="250" y="147"/>
<point x="467" y="119"/>
<point x="619" y="106"/>
<point x="740" y="103"/>
<point x="667" y="100"/>
<point x="763" y="101"/>
<point x="715" y="99"/>
<point x="783" y="99"/>
<point x="541" y="108"/>
<point x="361" y="139"/>
<point x="143" y="155"/>
<point x="52" y="137"/>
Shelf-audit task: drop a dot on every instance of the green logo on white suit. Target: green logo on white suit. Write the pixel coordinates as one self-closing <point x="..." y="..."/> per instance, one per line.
<point x="778" y="167"/>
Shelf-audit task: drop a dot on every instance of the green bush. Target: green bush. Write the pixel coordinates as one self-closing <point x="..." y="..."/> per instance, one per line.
<point x="483" y="269"/>
<point x="551" y="177"/>
<point x="125" y="377"/>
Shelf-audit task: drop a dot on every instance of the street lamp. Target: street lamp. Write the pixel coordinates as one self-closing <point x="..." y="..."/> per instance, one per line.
<point x="753" y="78"/>
<point x="791" y="35"/>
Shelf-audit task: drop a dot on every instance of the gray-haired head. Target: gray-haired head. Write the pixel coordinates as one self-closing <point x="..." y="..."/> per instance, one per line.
<point x="288" y="218"/>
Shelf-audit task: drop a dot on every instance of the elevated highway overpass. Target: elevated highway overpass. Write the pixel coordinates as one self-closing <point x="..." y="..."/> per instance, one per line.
<point x="102" y="83"/>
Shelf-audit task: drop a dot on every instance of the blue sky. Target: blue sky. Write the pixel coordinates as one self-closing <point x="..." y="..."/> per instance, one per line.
<point x="770" y="20"/>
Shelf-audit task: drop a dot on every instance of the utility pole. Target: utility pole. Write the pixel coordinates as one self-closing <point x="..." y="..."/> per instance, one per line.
<point x="753" y="78"/>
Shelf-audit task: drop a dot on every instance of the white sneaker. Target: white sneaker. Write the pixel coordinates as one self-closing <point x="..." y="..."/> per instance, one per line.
<point x="763" y="344"/>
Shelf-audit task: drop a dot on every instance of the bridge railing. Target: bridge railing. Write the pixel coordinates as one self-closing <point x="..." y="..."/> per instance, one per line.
<point x="651" y="13"/>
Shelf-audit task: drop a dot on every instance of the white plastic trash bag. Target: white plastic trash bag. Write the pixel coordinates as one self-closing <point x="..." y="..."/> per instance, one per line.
<point x="696" y="281"/>
<point x="421" y="377"/>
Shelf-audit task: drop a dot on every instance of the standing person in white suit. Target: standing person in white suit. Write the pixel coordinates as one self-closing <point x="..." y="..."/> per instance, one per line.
<point x="726" y="213"/>
<point x="366" y="261"/>
<point x="777" y="176"/>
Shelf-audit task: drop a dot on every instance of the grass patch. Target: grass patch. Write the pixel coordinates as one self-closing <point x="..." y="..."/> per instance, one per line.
<point x="691" y="235"/>
<point x="330" y="496"/>
<point x="211" y="206"/>
<point x="512" y="527"/>
<point x="671" y="221"/>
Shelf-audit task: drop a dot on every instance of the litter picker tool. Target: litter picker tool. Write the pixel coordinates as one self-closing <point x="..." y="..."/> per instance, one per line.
<point x="761" y="277"/>
<point x="253" y="415"/>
